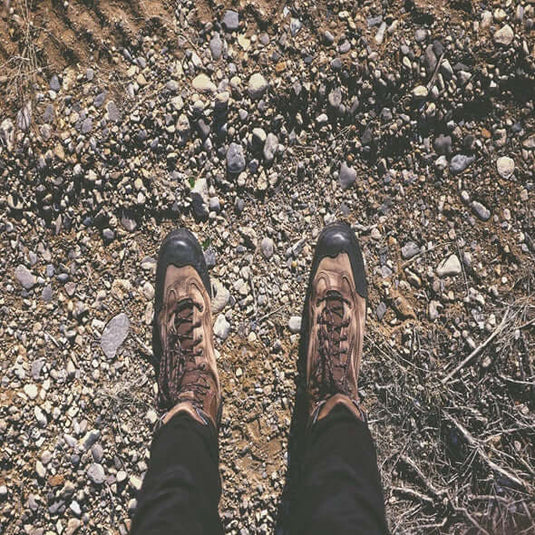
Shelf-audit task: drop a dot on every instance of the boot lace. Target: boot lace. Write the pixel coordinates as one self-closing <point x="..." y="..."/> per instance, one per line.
<point x="330" y="375"/>
<point x="181" y="377"/>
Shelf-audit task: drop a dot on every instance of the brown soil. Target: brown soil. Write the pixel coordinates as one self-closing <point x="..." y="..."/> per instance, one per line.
<point x="42" y="37"/>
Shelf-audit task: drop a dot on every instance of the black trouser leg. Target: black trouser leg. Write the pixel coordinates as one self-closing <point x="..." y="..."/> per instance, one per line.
<point x="181" y="490"/>
<point x="340" y="491"/>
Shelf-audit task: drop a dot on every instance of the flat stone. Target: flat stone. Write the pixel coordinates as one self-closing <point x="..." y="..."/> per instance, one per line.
<point x="31" y="391"/>
<point x="257" y="86"/>
<point x="460" y="162"/>
<point x="504" y="36"/>
<point x="409" y="250"/>
<point x="114" y="334"/>
<point x="449" y="266"/>
<point x="203" y="84"/>
<point x="96" y="473"/>
<point x="235" y="158"/>
<point x="506" y="166"/>
<point x="25" y="277"/>
<point x="113" y="111"/>
<point x="231" y="20"/>
<point x="347" y="176"/>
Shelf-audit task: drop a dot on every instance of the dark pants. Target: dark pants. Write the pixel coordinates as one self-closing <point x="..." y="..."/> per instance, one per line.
<point x="340" y="491"/>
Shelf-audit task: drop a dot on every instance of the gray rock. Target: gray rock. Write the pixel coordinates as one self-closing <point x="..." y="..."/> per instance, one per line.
<point x="54" y="83"/>
<point x="113" y="111"/>
<point x="231" y="20"/>
<point x="409" y="250"/>
<point x="442" y="144"/>
<point x="294" y="324"/>
<point x="481" y="211"/>
<point x="96" y="473"/>
<point x="506" y="166"/>
<point x="449" y="266"/>
<point x="99" y="100"/>
<point x="347" y="176"/>
<point x="381" y="310"/>
<point x="270" y="147"/>
<point x="235" y="158"/>
<point x="221" y="327"/>
<point x="335" y="98"/>
<point x="25" y="277"/>
<point x="267" y="247"/>
<point x="460" y="162"/>
<point x="87" y="125"/>
<point x="114" y="334"/>
<point x="216" y="46"/>
<point x="257" y="86"/>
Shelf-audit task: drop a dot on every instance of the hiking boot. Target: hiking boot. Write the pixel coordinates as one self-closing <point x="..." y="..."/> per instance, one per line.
<point x="182" y="332"/>
<point x="333" y="323"/>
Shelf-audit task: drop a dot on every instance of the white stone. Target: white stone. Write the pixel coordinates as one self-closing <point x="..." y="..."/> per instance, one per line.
<point x="504" y="36"/>
<point x="257" y="86"/>
<point x="449" y="266"/>
<point x="506" y="166"/>
<point x="221" y="327"/>
<point x="203" y="84"/>
<point x="294" y="324"/>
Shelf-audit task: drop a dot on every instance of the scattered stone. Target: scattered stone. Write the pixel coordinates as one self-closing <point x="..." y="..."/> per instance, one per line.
<point x="96" y="473"/>
<point x="216" y="46"/>
<point x="231" y="20"/>
<point x="25" y="277"/>
<point x="267" y="247"/>
<point x="481" y="211"/>
<point x="235" y="159"/>
<point x="460" y="162"/>
<point x="257" y="86"/>
<point x="203" y="84"/>
<point x="31" y="391"/>
<point x="270" y="147"/>
<point x="114" y="334"/>
<point x="506" y="166"/>
<point x="347" y="176"/>
<point x="221" y="327"/>
<point x="449" y="266"/>
<point x="294" y="324"/>
<point x="409" y="250"/>
<point x="504" y="36"/>
<point x="113" y="112"/>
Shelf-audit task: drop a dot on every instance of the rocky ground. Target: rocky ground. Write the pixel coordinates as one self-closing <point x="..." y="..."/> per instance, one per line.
<point x="255" y="124"/>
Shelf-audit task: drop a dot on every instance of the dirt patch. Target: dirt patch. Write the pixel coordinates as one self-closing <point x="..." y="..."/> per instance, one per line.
<point x="40" y="38"/>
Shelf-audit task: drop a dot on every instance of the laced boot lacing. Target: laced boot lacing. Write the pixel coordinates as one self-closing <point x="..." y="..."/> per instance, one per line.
<point x="331" y="373"/>
<point x="182" y="377"/>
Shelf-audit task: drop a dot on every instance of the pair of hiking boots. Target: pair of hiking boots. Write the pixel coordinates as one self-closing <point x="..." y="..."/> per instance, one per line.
<point x="332" y="329"/>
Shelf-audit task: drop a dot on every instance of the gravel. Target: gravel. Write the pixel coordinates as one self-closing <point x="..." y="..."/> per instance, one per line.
<point x="250" y="126"/>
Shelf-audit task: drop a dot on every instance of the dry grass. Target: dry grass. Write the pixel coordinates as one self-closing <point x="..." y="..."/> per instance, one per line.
<point x="461" y="450"/>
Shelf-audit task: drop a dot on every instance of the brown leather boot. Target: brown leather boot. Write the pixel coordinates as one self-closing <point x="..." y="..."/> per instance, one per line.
<point x="334" y="320"/>
<point x="182" y="333"/>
